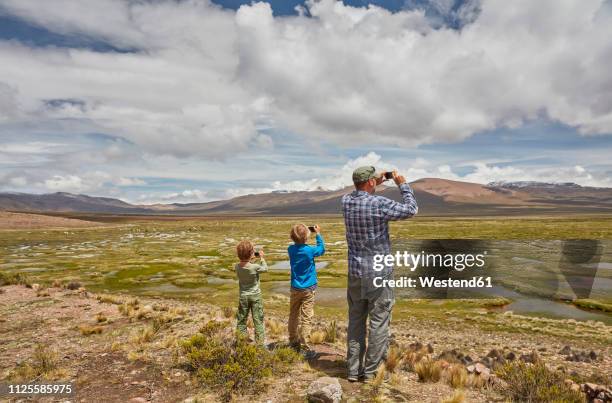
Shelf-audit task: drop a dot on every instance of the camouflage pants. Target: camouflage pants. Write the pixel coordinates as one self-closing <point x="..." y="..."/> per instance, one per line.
<point x="254" y="305"/>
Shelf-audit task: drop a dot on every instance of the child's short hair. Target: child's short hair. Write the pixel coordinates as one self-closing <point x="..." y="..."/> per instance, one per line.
<point x="245" y="249"/>
<point x="299" y="233"/>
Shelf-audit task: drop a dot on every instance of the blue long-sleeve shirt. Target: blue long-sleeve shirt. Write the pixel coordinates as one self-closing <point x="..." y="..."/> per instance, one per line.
<point x="301" y="258"/>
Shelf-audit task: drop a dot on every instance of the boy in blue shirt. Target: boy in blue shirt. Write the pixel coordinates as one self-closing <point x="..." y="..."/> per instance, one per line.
<point x="303" y="286"/>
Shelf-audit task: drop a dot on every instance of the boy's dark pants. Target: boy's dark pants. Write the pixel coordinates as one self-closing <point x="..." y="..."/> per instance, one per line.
<point x="365" y="301"/>
<point x="253" y="304"/>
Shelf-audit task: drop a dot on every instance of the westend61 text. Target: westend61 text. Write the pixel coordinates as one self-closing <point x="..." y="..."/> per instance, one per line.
<point x="432" y="282"/>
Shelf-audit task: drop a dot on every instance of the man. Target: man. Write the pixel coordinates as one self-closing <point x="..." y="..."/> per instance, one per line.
<point x="366" y="218"/>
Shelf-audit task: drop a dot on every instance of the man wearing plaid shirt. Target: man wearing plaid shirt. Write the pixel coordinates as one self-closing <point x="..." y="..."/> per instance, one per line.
<point x="366" y="218"/>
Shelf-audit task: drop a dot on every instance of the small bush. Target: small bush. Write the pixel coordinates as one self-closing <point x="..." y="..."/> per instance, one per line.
<point x="456" y="376"/>
<point x="100" y="318"/>
<point x="13" y="279"/>
<point x="331" y="332"/>
<point x="57" y="284"/>
<point x="428" y="370"/>
<point x="317" y="336"/>
<point x="231" y="366"/>
<point x="89" y="330"/>
<point x="536" y="383"/>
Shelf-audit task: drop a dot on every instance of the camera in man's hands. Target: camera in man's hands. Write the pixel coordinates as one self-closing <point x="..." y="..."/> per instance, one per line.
<point x="388" y="175"/>
<point x="312" y="228"/>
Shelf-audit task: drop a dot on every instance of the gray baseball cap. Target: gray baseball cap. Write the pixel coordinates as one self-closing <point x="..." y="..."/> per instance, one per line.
<point x="365" y="173"/>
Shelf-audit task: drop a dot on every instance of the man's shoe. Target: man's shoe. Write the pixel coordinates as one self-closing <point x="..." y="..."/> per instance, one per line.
<point x="353" y="378"/>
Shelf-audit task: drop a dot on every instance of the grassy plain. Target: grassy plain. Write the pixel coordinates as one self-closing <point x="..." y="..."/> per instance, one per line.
<point x="193" y="257"/>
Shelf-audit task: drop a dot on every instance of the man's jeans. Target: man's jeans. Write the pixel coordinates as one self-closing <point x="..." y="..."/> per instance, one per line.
<point x="366" y="300"/>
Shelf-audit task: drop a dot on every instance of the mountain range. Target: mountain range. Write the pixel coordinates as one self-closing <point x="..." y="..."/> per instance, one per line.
<point x="434" y="196"/>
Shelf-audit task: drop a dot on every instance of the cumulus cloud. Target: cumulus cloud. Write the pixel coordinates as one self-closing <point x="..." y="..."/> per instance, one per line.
<point x="202" y="80"/>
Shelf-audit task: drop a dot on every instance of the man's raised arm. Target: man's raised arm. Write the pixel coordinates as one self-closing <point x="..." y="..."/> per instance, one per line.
<point x="399" y="211"/>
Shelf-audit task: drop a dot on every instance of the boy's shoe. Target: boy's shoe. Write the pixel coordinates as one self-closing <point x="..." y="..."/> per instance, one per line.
<point x="309" y="354"/>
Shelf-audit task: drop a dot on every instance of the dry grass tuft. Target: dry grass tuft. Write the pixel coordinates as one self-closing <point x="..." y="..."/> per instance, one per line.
<point x="317" y="337"/>
<point x="456" y="376"/>
<point x="275" y="327"/>
<point x="380" y="377"/>
<point x="44" y="364"/>
<point x="476" y="381"/>
<point x="73" y="285"/>
<point x="101" y="318"/>
<point x="57" y="284"/>
<point x="42" y="292"/>
<point x="394" y="358"/>
<point x="411" y="358"/>
<point x="89" y="330"/>
<point x="457" y="397"/>
<point x="428" y="370"/>
<point x="331" y="332"/>
<point x="109" y="299"/>
<point x="228" y="312"/>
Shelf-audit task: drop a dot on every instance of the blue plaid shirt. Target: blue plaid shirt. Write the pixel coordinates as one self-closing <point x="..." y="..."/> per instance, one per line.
<point x="366" y="218"/>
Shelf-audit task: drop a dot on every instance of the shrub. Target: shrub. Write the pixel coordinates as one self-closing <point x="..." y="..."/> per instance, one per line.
<point x="536" y="383"/>
<point x="331" y="332"/>
<point x="411" y="358"/>
<point x="100" y="318"/>
<point x="13" y="279"/>
<point x="428" y="370"/>
<point x="231" y="366"/>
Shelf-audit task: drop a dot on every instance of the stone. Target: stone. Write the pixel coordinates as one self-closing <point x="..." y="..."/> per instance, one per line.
<point x="471" y="368"/>
<point x="480" y="368"/>
<point x="593" y="355"/>
<point x="565" y="350"/>
<point x="511" y="356"/>
<point x="324" y="390"/>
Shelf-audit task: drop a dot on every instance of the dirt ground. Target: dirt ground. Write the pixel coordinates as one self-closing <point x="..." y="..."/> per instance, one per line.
<point x="113" y="367"/>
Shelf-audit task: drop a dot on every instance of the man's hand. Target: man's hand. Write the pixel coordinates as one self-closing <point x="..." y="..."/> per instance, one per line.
<point x="261" y="253"/>
<point x="317" y="228"/>
<point x="398" y="179"/>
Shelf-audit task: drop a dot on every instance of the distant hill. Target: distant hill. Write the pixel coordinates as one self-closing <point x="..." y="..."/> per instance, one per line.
<point x="434" y="196"/>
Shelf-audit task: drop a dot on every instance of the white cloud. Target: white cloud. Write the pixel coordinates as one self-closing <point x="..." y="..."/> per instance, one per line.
<point x="204" y="79"/>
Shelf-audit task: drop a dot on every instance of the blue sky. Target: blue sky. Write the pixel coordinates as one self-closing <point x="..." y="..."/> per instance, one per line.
<point x="195" y="101"/>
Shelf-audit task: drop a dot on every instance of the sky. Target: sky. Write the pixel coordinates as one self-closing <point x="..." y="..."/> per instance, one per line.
<point x="195" y="100"/>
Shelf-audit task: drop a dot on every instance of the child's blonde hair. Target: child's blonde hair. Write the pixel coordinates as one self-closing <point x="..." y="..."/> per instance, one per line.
<point x="300" y="233"/>
<point x="245" y="249"/>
